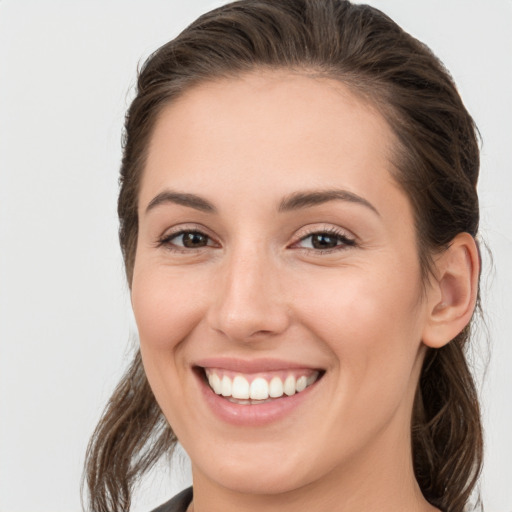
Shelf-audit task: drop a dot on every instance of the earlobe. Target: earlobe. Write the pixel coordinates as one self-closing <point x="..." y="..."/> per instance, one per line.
<point x="453" y="291"/>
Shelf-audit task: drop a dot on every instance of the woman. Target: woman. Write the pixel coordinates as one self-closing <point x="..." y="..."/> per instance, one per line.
<point x="298" y="217"/>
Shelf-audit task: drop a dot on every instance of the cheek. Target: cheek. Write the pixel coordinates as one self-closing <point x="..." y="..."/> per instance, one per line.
<point x="370" y="321"/>
<point x="165" y="315"/>
<point x="164" y="310"/>
<point x="370" y="325"/>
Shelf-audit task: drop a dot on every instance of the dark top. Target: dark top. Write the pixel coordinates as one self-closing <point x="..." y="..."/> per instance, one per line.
<point x="179" y="503"/>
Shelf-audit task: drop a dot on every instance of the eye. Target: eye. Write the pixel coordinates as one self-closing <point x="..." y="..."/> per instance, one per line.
<point x="325" y="241"/>
<point x="187" y="239"/>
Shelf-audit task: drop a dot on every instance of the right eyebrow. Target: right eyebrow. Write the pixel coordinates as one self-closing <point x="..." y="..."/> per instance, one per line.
<point x="183" y="199"/>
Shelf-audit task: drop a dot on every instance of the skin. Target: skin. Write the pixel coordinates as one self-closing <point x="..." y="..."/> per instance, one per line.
<point x="259" y="288"/>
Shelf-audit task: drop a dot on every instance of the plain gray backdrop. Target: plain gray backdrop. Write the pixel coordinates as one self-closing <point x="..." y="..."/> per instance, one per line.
<point x="67" y="69"/>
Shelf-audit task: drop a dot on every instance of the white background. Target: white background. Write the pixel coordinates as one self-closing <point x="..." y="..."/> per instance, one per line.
<point x="67" y="70"/>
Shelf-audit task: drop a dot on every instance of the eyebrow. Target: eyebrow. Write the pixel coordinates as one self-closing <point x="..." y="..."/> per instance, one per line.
<point x="307" y="199"/>
<point x="295" y="201"/>
<point x="183" y="199"/>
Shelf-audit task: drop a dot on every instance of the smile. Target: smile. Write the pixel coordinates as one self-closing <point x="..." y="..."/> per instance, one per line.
<point x="257" y="392"/>
<point x="259" y="388"/>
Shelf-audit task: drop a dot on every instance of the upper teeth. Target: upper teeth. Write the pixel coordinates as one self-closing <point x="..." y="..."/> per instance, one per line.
<point x="259" y="388"/>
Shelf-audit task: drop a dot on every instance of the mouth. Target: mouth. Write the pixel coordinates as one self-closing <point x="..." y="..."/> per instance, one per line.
<point x="258" y="388"/>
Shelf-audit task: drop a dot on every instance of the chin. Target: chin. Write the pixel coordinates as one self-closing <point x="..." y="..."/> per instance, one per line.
<point x="263" y="479"/>
<point x="260" y="469"/>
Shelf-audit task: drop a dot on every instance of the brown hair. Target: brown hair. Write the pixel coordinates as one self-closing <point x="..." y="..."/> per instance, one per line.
<point x="436" y="161"/>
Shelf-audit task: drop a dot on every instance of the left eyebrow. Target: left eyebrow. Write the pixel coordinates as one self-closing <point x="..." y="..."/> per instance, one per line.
<point x="308" y="199"/>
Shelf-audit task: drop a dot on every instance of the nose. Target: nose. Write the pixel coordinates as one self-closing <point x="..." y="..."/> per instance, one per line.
<point x="249" y="303"/>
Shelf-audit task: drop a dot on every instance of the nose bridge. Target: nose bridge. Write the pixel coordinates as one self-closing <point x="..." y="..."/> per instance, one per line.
<point x="249" y="300"/>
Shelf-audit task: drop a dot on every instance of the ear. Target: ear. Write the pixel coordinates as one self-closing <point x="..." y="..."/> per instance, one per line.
<point x="452" y="292"/>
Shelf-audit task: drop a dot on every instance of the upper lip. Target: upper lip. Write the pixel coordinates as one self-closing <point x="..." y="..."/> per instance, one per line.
<point x="252" y="365"/>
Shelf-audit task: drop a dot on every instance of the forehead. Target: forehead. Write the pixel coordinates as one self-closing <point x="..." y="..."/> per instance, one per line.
<point x="273" y="129"/>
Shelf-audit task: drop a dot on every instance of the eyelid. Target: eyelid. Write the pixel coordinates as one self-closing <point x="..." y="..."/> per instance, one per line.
<point x="311" y="229"/>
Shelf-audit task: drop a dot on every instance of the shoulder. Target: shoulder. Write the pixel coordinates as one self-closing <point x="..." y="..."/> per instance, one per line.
<point x="179" y="503"/>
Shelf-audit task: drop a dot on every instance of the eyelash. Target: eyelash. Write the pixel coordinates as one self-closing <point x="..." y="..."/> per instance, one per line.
<point x="344" y="241"/>
<point x="342" y="238"/>
<point x="166" y="240"/>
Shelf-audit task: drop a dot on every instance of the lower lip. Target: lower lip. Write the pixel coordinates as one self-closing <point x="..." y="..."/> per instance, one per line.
<point x="254" y="414"/>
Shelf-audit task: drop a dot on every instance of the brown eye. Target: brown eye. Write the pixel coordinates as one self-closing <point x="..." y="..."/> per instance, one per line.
<point x="187" y="240"/>
<point x="325" y="241"/>
<point x="193" y="240"/>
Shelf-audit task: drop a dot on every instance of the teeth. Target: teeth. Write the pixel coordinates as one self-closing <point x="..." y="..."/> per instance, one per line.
<point x="259" y="389"/>
<point x="240" y="387"/>
<point x="301" y="384"/>
<point x="226" y="388"/>
<point x="241" y="390"/>
<point x="275" y="390"/>
<point x="289" y="385"/>
<point x="215" y="383"/>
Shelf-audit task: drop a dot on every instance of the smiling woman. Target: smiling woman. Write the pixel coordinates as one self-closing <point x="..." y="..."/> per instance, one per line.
<point x="298" y="216"/>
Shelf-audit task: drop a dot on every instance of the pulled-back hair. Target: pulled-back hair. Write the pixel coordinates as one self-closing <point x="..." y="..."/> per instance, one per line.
<point x="436" y="161"/>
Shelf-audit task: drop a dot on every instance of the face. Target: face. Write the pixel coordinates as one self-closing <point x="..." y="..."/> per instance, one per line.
<point x="277" y="286"/>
